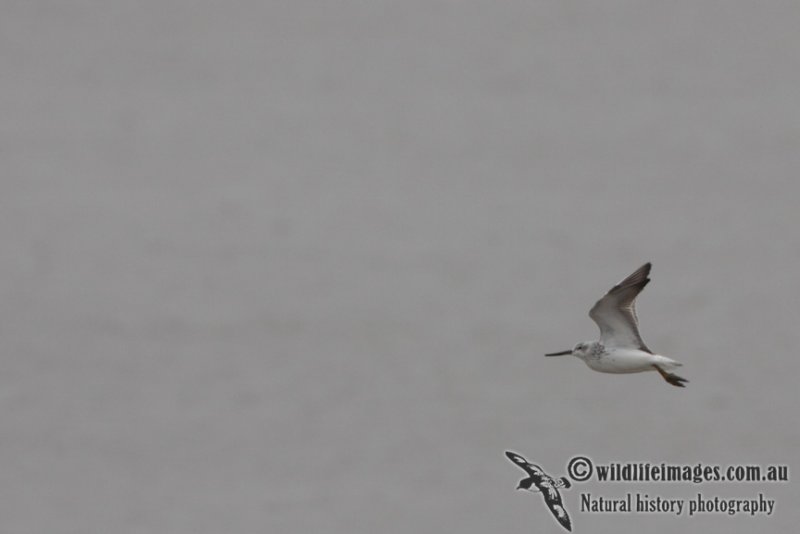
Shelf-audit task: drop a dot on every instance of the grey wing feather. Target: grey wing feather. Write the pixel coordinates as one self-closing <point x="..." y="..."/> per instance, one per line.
<point x="615" y="313"/>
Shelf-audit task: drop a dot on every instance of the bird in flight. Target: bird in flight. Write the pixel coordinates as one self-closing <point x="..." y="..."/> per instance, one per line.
<point x="545" y="484"/>
<point x="621" y="348"/>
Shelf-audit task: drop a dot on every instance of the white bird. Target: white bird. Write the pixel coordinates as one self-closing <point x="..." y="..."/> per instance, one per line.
<point x="621" y="349"/>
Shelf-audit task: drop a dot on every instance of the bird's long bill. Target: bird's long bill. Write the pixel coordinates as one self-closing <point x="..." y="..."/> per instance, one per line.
<point x="562" y="353"/>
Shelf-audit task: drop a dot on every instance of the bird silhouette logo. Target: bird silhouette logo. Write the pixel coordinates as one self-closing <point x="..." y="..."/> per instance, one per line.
<point x="539" y="481"/>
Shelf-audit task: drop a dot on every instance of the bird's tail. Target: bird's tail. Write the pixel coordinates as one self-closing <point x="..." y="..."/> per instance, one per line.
<point x="668" y="363"/>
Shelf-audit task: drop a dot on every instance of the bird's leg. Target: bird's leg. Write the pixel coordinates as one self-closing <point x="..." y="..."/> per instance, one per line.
<point x="671" y="378"/>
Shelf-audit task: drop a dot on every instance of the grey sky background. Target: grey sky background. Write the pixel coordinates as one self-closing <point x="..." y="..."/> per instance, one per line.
<point x="292" y="266"/>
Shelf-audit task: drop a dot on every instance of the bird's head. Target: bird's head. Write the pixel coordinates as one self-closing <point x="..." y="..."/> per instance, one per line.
<point x="525" y="483"/>
<point x="581" y="350"/>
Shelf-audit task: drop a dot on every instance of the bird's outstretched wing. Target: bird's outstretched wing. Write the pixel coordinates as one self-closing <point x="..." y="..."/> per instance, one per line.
<point x="553" y="500"/>
<point x="524" y="464"/>
<point x="615" y="313"/>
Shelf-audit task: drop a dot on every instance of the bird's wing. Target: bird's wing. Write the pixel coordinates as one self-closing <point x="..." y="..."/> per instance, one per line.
<point x="553" y="500"/>
<point x="521" y="462"/>
<point x="615" y="313"/>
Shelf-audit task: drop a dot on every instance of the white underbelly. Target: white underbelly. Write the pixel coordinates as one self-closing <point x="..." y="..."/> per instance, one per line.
<point x="630" y="361"/>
